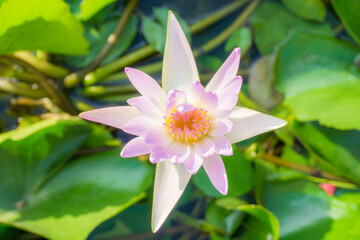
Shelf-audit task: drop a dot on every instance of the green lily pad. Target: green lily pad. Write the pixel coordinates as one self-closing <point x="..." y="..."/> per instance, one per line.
<point x="40" y="25"/>
<point x="240" y="38"/>
<point x="90" y="7"/>
<point x="272" y="22"/>
<point x="307" y="9"/>
<point x="239" y="174"/>
<point x="305" y="211"/>
<point x="319" y="84"/>
<point x="336" y="147"/>
<point x="58" y="201"/>
<point x="348" y="12"/>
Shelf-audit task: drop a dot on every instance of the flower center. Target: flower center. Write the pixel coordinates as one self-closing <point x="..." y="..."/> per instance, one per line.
<point x="189" y="126"/>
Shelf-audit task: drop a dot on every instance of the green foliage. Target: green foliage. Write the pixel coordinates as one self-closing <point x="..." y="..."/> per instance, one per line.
<point x="43" y="194"/>
<point x="48" y="26"/>
<point x="262" y="74"/>
<point x="98" y="38"/>
<point x="240" y="38"/>
<point x="348" y="11"/>
<point x="239" y="182"/>
<point x="306" y="212"/>
<point x="337" y="148"/>
<point x="155" y="32"/>
<point x="60" y="180"/>
<point x="319" y="84"/>
<point x="272" y="22"/>
<point x="90" y="7"/>
<point x="307" y="9"/>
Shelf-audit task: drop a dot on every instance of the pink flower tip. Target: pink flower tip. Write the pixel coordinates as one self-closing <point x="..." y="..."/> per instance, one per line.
<point x="237" y="51"/>
<point x="328" y="188"/>
<point x="127" y="69"/>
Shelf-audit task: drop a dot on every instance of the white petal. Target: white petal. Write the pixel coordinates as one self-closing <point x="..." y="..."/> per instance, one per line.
<point x="170" y="183"/>
<point x="249" y="123"/>
<point x="135" y="147"/>
<point x="146" y="85"/>
<point x="139" y="126"/>
<point x="226" y="72"/>
<point x="179" y="67"/>
<point x="147" y="107"/>
<point x="112" y="116"/>
<point x="215" y="169"/>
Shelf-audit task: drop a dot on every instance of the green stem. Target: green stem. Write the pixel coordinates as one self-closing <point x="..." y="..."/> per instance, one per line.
<point x="22" y="89"/>
<point x="100" y="73"/>
<point x="238" y="22"/>
<point x="72" y="79"/>
<point x="143" y="52"/>
<point x="41" y="66"/>
<point x="301" y="168"/>
<point x="50" y="87"/>
<point x="204" y="23"/>
<point x="198" y="224"/>
<point x="98" y="91"/>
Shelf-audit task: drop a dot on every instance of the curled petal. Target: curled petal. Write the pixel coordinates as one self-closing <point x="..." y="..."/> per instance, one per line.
<point x="178" y="152"/>
<point x="146" y="85"/>
<point x="175" y="98"/>
<point x="205" y="147"/>
<point x="222" y="146"/>
<point x="135" y="147"/>
<point x="146" y="106"/>
<point x="158" y="154"/>
<point x="185" y="107"/>
<point x="179" y="67"/>
<point x="225" y="73"/>
<point x="139" y="126"/>
<point x="249" y="123"/>
<point x="215" y="169"/>
<point x="170" y="183"/>
<point x="112" y="116"/>
<point x="220" y="127"/>
<point x="193" y="162"/>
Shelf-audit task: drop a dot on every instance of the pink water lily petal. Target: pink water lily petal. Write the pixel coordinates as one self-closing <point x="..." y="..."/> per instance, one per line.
<point x="146" y="85"/>
<point x="170" y="183"/>
<point x="147" y="106"/>
<point x="194" y="91"/>
<point x="158" y="136"/>
<point x="112" y="116"/>
<point x="175" y="98"/>
<point x="249" y="123"/>
<point x="178" y="152"/>
<point x="135" y="147"/>
<point x="228" y="95"/>
<point x="222" y="146"/>
<point x="193" y="162"/>
<point x="184" y="107"/>
<point x="205" y="147"/>
<point x="215" y="169"/>
<point x="220" y="126"/>
<point x="225" y="73"/>
<point x="158" y="154"/>
<point x="179" y="67"/>
<point x="209" y="101"/>
<point x="139" y="126"/>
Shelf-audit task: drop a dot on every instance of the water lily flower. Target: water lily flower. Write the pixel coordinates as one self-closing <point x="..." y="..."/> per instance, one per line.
<point x="184" y="125"/>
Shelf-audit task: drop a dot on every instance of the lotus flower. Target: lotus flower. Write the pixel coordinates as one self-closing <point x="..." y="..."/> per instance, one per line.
<point x="184" y="125"/>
